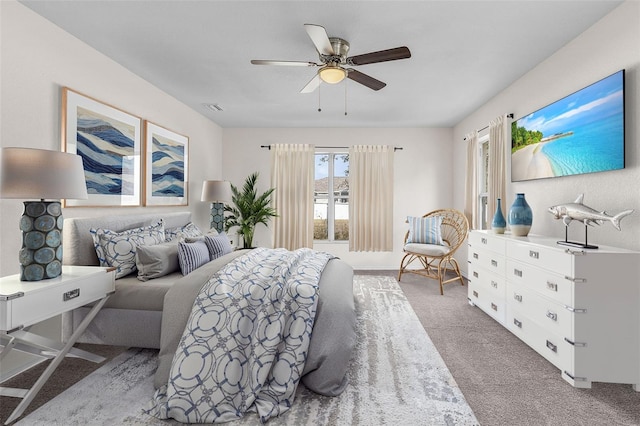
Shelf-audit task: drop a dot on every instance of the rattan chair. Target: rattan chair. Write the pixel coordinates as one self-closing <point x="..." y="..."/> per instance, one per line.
<point x="436" y="260"/>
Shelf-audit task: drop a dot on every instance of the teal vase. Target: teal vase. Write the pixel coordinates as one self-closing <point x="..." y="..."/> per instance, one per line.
<point x="499" y="223"/>
<point x="520" y="217"/>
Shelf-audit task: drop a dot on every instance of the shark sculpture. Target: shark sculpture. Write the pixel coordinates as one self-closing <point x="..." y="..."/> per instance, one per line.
<point x="578" y="211"/>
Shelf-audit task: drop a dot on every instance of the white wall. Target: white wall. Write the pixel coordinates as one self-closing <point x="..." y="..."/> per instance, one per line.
<point x="38" y="59"/>
<point x="611" y="44"/>
<point x="423" y="171"/>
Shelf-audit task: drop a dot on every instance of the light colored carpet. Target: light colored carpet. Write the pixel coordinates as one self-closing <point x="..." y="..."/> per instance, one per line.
<point x="396" y="377"/>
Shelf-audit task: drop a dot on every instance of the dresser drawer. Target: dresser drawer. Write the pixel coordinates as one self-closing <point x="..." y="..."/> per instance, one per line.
<point x="488" y="280"/>
<point x="548" y="314"/>
<point x="480" y="240"/>
<point x="487" y="300"/>
<point x="547" y="283"/>
<point x="551" y="258"/>
<point x="550" y="345"/>
<point x="489" y="260"/>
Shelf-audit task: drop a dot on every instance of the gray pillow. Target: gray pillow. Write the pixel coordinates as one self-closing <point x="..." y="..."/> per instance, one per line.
<point x="157" y="260"/>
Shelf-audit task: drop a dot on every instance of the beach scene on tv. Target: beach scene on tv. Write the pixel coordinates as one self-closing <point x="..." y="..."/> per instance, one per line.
<point x="582" y="133"/>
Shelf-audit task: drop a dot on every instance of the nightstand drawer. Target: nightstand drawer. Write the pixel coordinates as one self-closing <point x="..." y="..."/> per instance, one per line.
<point x="41" y="300"/>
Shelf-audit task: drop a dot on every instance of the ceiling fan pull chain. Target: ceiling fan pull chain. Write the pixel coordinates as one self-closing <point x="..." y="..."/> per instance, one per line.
<point x="345" y="98"/>
<point x="319" y="106"/>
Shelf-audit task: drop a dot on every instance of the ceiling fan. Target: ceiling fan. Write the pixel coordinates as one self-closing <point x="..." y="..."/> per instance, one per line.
<point x="332" y="52"/>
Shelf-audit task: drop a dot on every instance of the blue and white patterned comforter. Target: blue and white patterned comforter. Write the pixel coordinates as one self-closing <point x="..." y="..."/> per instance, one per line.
<point x="246" y="341"/>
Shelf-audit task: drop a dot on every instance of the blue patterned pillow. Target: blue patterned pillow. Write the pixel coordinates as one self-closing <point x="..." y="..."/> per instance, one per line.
<point x="191" y="256"/>
<point x="218" y="245"/>
<point x="118" y="249"/>
<point x="190" y="230"/>
<point x="425" y="230"/>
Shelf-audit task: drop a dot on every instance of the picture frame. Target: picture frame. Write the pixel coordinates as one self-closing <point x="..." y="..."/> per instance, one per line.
<point x="109" y="141"/>
<point x="166" y="166"/>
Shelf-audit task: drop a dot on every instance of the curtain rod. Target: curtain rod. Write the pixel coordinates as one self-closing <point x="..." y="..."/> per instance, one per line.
<point x="395" y="148"/>
<point x="486" y="127"/>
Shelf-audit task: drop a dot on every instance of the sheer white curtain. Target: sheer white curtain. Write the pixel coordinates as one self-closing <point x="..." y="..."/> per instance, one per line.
<point x="471" y="196"/>
<point x="292" y="178"/>
<point x="371" y="198"/>
<point x="497" y="179"/>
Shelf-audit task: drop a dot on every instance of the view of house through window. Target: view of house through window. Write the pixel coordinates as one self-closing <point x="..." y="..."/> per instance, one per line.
<point x="331" y="197"/>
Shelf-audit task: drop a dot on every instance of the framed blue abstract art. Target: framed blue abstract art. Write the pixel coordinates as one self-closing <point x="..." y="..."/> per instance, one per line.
<point x="166" y="168"/>
<point x="109" y="142"/>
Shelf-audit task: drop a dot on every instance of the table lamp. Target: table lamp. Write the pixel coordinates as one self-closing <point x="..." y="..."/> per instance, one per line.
<point x="218" y="192"/>
<point x="41" y="174"/>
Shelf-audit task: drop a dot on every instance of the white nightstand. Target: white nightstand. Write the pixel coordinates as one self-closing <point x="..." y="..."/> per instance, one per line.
<point x="24" y="303"/>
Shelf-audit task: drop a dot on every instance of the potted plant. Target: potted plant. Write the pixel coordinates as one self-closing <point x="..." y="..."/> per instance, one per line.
<point x="248" y="209"/>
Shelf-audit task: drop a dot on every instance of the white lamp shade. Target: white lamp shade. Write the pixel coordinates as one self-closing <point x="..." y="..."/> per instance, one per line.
<point x="216" y="190"/>
<point x="29" y="173"/>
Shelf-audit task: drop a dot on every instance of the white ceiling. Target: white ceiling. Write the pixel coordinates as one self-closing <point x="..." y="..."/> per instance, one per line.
<point x="463" y="53"/>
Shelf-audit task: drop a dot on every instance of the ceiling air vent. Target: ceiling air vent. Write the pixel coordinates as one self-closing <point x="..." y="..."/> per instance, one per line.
<point x="214" y="107"/>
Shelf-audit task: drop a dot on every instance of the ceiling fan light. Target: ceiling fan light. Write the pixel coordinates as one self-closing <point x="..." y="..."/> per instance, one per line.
<point x="332" y="75"/>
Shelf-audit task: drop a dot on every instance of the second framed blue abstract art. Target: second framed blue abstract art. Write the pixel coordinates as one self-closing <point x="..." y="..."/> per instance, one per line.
<point x="166" y="168"/>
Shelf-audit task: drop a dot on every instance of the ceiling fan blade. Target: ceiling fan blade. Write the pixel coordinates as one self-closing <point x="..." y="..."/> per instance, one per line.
<point x="380" y="56"/>
<point x="366" y="80"/>
<point x="320" y="39"/>
<point x="285" y="63"/>
<point x="312" y="85"/>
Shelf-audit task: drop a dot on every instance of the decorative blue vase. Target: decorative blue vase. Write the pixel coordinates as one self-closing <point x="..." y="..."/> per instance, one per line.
<point x="520" y="217"/>
<point x="499" y="223"/>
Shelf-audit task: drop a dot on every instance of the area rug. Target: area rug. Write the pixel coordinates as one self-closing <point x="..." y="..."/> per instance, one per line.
<point x="396" y="377"/>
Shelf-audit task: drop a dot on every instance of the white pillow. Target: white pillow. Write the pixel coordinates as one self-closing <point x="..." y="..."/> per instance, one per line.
<point x="118" y="249"/>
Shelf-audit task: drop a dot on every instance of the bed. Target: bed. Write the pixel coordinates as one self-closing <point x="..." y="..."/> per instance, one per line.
<point x="155" y="313"/>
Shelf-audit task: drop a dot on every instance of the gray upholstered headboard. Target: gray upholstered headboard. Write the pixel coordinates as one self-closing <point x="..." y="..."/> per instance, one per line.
<point x="78" y="243"/>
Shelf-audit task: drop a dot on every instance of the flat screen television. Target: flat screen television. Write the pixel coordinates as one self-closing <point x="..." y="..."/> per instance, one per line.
<point x="581" y="133"/>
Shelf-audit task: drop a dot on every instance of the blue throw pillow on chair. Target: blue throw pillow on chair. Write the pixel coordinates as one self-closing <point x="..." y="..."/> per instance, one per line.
<point x="425" y="230"/>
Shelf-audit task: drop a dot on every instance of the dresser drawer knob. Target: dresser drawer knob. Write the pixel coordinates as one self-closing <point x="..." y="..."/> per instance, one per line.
<point x="517" y="273"/>
<point x="494" y="263"/>
<point x="483" y="240"/>
<point x="475" y="255"/>
<point x="494" y="307"/>
<point x="534" y="254"/>
<point x="552" y="286"/>
<point x="517" y="296"/>
<point x="475" y="274"/>
<point x="475" y="293"/>
<point x="517" y="323"/>
<point x="494" y="284"/>
<point x="552" y="316"/>
<point x="70" y="295"/>
<point x="551" y="346"/>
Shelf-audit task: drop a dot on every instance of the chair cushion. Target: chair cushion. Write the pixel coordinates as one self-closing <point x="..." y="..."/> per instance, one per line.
<point x="425" y="230"/>
<point x="427" y="249"/>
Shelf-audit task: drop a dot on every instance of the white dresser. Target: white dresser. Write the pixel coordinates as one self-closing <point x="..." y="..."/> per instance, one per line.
<point x="577" y="308"/>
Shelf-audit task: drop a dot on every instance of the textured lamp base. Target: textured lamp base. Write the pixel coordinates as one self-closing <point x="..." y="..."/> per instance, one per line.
<point x="41" y="253"/>
<point x="217" y="216"/>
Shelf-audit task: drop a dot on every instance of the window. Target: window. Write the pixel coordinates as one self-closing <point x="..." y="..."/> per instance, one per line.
<point x="483" y="181"/>
<point x="331" y="197"/>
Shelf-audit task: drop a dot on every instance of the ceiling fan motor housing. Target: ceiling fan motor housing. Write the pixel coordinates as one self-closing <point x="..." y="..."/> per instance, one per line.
<point x="340" y="50"/>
